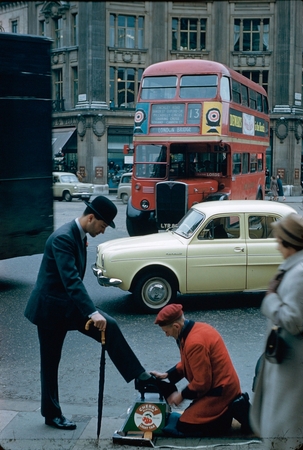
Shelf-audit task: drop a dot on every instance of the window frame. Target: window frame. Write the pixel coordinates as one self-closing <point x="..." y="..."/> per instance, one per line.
<point x="75" y="29"/>
<point x="58" y="83"/>
<point x="75" y="85"/>
<point x="58" y="38"/>
<point x="14" y="25"/>
<point x="114" y="87"/>
<point x="199" y="33"/>
<point x="138" y="34"/>
<point x="244" y="34"/>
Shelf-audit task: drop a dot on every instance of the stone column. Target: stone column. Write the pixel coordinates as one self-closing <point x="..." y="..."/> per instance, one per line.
<point x="287" y="101"/>
<point x="92" y="106"/>
<point x="158" y="42"/>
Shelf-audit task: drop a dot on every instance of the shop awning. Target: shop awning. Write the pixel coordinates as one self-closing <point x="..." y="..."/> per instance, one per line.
<point x="60" y="138"/>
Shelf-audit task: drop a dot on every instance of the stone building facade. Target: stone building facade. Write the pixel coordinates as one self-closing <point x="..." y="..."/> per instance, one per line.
<point x="100" y="50"/>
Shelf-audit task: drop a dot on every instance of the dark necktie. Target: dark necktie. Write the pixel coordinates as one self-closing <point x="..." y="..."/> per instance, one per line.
<point x="85" y="247"/>
<point x="85" y="243"/>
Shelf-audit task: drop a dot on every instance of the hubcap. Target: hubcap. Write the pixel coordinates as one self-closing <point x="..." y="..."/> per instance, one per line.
<point x="156" y="292"/>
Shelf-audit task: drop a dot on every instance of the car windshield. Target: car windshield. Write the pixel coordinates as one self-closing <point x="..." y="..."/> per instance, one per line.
<point x="190" y="222"/>
<point x="69" y="179"/>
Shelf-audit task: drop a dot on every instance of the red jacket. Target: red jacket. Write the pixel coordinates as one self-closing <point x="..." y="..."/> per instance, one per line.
<point x="206" y="364"/>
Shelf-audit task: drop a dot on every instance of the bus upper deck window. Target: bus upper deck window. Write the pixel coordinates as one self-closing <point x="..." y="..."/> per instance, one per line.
<point x="198" y="86"/>
<point x="265" y="105"/>
<point x="252" y="99"/>
<point x="225" y="89"/>
<point x="244" y="95"/>
<point x="259" y="102"/>
<point x="159" y="88"/>
<point x="236" y="91"/>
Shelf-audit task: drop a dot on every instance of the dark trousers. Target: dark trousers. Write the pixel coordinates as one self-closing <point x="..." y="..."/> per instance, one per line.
<point x="51" y="343"/>
<point x="217" y="427"/>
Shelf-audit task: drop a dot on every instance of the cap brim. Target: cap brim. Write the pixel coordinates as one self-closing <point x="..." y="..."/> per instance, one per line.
<point x="98" y="215"/>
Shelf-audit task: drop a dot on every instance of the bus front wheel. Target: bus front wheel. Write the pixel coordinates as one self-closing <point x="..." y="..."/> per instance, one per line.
<point x="152" y="291"/>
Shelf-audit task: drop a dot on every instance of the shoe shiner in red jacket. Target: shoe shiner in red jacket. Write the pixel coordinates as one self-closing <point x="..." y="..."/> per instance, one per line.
<point x="213" y="384"/>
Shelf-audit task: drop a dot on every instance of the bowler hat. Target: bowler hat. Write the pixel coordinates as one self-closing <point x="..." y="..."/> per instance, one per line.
<point x="169" y="314"/>
<point x="103" y="209"/>
<point x="290" y="229"/>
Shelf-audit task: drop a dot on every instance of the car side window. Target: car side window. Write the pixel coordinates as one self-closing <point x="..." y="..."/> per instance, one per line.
<point x="259" y="227"/>
<point x="56" y="179"/>
<point x="225" y="227"/>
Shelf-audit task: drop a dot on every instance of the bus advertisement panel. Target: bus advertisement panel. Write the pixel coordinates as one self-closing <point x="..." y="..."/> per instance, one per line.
<point x="200" y="134"/>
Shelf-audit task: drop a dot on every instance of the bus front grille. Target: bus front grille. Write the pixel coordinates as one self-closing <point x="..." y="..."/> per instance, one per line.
<point x="171" y="203"/>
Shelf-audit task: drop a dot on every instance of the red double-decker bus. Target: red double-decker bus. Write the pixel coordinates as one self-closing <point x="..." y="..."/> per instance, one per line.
<point x="201" y="132"/>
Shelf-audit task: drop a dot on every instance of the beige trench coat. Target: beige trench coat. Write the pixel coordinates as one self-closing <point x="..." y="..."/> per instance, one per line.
<point x="277" y="407"/>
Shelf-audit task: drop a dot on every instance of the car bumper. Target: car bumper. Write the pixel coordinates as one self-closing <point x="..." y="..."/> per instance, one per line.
<point x="82" y="195"/>
<point x="102" y="280"/>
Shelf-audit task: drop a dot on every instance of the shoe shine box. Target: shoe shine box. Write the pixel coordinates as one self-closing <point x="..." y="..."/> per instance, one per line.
<point x="147" y="415"/>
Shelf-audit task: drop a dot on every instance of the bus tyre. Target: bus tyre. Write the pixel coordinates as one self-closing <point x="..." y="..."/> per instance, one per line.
<point x="153" y="290"/>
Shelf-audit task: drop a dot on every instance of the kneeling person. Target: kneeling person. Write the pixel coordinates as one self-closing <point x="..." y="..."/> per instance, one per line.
<point x="206" y="364"/>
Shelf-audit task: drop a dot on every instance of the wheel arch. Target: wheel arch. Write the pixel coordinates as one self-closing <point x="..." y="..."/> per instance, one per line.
<point x="152" y="268"/>
<point x="67" y="191"/>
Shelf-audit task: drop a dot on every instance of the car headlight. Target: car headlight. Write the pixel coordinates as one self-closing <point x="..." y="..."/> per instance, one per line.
<point x="102" y="260"/>
<point x="144" y="204"/>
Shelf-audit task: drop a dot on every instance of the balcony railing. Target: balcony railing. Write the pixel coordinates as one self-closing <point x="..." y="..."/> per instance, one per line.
<point x="58" y="105"/>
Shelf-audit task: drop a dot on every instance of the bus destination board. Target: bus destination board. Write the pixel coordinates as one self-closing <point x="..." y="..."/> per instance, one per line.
<point x="168" y="114"/>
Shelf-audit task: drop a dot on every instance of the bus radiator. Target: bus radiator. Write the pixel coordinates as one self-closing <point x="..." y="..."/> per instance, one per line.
<point x="171" y="203"/>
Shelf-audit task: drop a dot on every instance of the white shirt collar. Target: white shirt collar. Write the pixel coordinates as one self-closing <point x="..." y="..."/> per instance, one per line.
<point x="82" y="232"/>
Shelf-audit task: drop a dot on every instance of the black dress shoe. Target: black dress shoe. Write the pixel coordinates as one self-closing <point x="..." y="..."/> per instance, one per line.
<point x="61" y="423"/>
<point x="154" y="384"/>
<point x="240" y="411"/>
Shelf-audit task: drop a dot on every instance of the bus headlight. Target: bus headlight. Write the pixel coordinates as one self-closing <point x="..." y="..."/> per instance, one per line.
<point x="144" y="204"/>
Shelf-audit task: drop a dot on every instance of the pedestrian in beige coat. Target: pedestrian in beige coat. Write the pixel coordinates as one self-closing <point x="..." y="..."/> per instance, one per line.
<point x="274" y="189"/>
<point x="277" y="408"/>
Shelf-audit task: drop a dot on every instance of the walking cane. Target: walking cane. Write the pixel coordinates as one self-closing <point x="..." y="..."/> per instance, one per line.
<point x="101" y="377"/>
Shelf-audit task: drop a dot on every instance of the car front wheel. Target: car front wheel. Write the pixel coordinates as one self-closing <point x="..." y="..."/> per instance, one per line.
<point x="124" y="198"/>
<point x="154" y="290"/>
<point x="67" y="196"/>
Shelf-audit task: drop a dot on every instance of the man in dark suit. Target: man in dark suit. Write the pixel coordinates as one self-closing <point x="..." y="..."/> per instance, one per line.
<point x="60" y="302"/>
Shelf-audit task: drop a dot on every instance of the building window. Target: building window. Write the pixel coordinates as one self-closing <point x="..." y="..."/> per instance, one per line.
<point x="58" y="84"/>
<point x="58" y="33"/>
<point x="188" y="34"/>
<point x="75" y="84"/>
<point x="58" y="101"/>
<point x="126" y="31"/>
<point x="42" y="28"/>
<point x="75" y="29"/>
<point x="251" y="35"/>
<point x="124" y="85"/>
<point x="259" y="77"/>
<point x="14" y="26"/>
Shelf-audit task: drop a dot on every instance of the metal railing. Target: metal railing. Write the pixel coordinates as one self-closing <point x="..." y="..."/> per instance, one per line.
<point x="58" y="105"/>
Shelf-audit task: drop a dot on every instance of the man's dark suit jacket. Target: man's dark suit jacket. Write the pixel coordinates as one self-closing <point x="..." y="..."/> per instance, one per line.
<point x="59" y="296"/>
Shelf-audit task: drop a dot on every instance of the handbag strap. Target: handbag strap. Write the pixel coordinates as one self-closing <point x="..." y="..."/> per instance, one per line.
<point x="275" y="282"/>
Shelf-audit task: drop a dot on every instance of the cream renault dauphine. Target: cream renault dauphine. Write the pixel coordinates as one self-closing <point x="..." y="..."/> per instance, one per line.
<point x="222" y="246"/>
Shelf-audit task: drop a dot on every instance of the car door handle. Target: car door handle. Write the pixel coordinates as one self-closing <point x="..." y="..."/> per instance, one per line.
<point x="239" y="249"/>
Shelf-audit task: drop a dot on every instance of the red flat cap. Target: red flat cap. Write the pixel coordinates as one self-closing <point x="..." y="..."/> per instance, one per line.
<point x="169" y="314"/>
